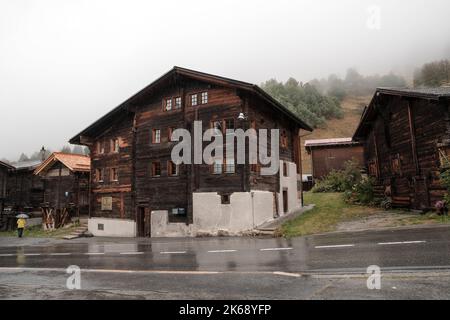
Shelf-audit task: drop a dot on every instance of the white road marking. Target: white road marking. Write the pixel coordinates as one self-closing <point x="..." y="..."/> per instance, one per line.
<point x="335" y="246"/>
<point x="131" y="253"/>
<point x="7" y="255"/>
<point x="287" y="274"/>
<point x="172" y="252"/>
<point x="32" y="254"/>
<point x="220" y="251"/>
<point x="60" y="254"/>
<point x="400" y="242"/>
<point x="94" y="253"/>
<point x="276" y="249"/>
<point x="9" y="269"/>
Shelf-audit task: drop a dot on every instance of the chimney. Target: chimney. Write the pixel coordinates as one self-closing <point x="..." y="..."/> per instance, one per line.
<point x="43" y="154"/>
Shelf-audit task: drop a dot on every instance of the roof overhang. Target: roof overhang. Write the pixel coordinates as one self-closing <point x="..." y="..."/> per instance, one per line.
<point x="126" y="106"/>
<point x="370" y="112"/>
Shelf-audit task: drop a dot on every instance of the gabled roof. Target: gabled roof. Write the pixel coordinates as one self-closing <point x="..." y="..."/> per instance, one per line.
<point x="74" y="162"/>
<point x="369" y="113"/>
<point x="6" y="165"/>
<point x="201" y="76"/>
<point x="329" y="142"/>
<point x="26" y="165"/>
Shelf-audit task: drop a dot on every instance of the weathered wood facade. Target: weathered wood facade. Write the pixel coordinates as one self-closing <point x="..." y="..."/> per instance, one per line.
<point x="4" y="169"/>
<point x="66" y="183"/>
<point x="331" y="154"/>
<point x="406" y="134"/>
<point x="131" y="148"/>
<point x="24" y="190"/>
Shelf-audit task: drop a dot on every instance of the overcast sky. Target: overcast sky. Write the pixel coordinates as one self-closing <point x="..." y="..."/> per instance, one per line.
<point x="65" y="63"/>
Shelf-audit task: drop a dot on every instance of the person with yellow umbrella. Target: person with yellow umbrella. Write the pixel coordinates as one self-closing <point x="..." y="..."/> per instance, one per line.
<point x="21" y="223"/>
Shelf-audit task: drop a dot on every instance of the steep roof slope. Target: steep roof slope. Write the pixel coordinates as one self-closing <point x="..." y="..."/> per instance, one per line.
<point x="226" y="82"/>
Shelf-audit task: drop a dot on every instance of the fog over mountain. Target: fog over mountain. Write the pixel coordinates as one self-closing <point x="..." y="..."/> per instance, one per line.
<point x="65" y="63"/>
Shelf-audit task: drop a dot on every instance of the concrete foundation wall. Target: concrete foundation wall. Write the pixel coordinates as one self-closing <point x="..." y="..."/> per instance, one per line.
<point x="112" y="227"/>
<point x="246" y="211"/>
<point x="161" y="227"/>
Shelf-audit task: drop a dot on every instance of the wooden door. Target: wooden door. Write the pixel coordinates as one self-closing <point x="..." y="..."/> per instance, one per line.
<point x="421" y="199"/>
<point x="285" y="201"/>
<point x="147" y="223"/>
<point x="140" y="222"/>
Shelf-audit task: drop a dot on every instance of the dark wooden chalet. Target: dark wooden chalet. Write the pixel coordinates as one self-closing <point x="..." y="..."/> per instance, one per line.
<point x="66" y="183"/>
<point x="134" y="177"/>
<point x="24" y="190"/>
<point x="331" y="154"/>
<point x="406" y="137"/>
<point x="4" y="169"/>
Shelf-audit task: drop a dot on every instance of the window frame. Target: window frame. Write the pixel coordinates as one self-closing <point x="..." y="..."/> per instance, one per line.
<point x="227" y="165"/>
<point x="155" y="135"/>
<point x="284" y="139"/>
<point x="115" y="147"/>
<point x="166" y="104"/>
<point x="215" y="165"/>
<point x="101" y="147"/>
<point x="192" y="96"/>
<point x="153" y="166"/>
<point x="114" y="174"/>
<point x="100" y="175"/>
<point x="204" y="99"/>
<point x="170" y="167"/>
<point x="176" y="105"/>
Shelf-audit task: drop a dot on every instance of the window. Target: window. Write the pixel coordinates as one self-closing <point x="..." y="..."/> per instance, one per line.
<point x="170" y="131"/>
<point x="229" y="124"/>
<point x="194" y="100"/>
<point x="115" y="145"/>
<point x="114" y="174"/>
<point x="172" y="168"/>
<point x="285" y="169"/>
<point x="100" y="147"/>
<point x="230" y="166"/>
<point x="373" y="171"/>
<point x="255" y="168"/>
<point x="177" y="102"/>
<point x="284" y="139"/>
<point x="204" y="97"/>
<point x="99" y="175"/>
<point x="156" y="136"/>
<point x="396" y="165"/>
<point x="168" y="104"/>
<point x="217" y="167"/>
<point x="225" y="198"/>
<point x="156" y="169"/>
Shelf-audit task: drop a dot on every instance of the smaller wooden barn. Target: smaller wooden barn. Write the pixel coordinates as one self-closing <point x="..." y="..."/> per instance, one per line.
<point x="24" y="190"/>
<point x="66" y="186"/>
<point x="331" y="154"/>
<point x="406" y="137"/>
<point x="4" y="169"/>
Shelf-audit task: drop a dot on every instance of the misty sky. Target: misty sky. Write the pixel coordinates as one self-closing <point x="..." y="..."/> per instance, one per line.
<point x="65" y="63"/>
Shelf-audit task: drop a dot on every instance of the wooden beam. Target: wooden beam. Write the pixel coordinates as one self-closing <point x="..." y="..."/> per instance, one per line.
<point x="413" y="137"/>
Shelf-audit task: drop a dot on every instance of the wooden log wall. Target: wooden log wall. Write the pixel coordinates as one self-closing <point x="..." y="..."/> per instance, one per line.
<point x="403" y="145"/>
<point x="138" y="188"/>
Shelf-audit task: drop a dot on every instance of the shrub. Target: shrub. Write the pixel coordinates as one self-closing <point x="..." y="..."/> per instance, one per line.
<point x="340" y="180"/>
<point x="361" y="192"/>
<point x="445" y="180"/>
<point x="350" y="181"/>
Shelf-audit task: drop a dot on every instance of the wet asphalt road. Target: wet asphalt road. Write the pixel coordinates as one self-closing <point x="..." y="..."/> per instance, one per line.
<point x="409" y="249"/>
<point x="415" y="264"/>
